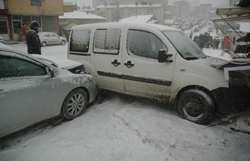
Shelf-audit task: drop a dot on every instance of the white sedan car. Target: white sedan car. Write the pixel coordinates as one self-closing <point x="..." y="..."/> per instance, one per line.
<point x="33" y="89"/>
<point x="50" y="38"/>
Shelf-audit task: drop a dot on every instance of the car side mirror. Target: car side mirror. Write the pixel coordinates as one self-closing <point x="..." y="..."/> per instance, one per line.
<point x="163" y="56"/>
<point x="50" y="72"/>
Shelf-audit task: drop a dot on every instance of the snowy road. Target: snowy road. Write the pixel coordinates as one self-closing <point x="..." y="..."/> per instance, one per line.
<point x="123" y="128"/>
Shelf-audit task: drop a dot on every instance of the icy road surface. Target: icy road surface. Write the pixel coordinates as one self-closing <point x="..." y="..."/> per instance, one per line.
<point x="123" y="128"/>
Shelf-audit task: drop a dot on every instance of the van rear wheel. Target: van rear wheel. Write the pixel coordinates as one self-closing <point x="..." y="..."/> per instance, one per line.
<point x="196" y="106"/>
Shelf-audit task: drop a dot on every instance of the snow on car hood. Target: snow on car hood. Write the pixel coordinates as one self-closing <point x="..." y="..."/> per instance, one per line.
<point x="220" y="63"/>
<point x="62" y="63"/>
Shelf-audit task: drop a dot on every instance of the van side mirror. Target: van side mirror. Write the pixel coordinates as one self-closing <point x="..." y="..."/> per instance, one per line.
<point x="163" y="56"/>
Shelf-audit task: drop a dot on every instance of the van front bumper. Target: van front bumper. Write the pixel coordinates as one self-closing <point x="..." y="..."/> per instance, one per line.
<point x="232" y="100"/>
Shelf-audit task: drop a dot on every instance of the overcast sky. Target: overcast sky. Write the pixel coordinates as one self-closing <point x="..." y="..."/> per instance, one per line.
<point x="215" y="3"/>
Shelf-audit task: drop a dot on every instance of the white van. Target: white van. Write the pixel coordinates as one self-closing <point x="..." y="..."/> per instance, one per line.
<point x="160" y="62"/>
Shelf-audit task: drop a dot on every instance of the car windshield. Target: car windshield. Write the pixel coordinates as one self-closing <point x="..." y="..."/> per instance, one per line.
<point x="184" y="45"/>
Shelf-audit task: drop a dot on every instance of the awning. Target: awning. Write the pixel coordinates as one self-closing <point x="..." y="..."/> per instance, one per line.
<point x="233" y="18"/>
<point x="233" y="11"/>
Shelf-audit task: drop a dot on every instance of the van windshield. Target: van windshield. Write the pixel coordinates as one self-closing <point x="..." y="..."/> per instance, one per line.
<point x="184" y="45"/>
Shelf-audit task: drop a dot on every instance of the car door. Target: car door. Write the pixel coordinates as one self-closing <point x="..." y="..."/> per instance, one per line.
<point x="48" y="38"/>
<point x="143" y="74"/>
<point x="106" y="58"/>
<point x="56" y="38"/>
<point x="27" y="94"/>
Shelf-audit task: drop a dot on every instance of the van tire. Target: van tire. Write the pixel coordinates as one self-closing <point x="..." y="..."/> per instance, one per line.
<point x="196" y="106"/>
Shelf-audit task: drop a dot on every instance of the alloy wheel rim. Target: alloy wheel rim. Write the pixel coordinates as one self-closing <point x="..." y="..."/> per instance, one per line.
<point x="75" y="104"/>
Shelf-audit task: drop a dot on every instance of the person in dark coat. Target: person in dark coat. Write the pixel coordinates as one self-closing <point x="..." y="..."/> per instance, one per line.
<point x="32" y="39"/>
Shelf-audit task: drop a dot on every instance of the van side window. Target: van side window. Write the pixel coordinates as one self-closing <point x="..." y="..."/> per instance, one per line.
<point x="144" y="44"/>
<point x="80" y="40"/>
<point x="107" y="41"/>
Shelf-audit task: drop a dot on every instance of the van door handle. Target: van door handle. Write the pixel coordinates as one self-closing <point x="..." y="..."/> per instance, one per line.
<point x="129" y="64"/>
<point x="115" y="62"/>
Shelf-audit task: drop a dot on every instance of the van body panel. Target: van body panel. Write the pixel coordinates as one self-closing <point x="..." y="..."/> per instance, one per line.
<point x="147" y="77"/>
<point x="130" y="64"/>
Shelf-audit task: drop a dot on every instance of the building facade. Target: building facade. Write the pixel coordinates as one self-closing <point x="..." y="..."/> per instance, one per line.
<point x="14" y="15"/>
<point x="115" y="12"/>
<point x="110" y="2"/>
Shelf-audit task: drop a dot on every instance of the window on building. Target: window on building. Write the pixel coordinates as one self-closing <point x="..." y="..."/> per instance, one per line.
<point x="144" y="44"/>
<point x="80" y="40"/>
<point x="107" y="41"/>
<point x="16" y="21"/>
<point x="26" y="20"/>
<point x="3" y="26"/>
<point x="36" y="18"/>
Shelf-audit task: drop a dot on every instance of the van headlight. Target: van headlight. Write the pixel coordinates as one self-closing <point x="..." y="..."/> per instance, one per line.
<point x="237" y="79"/>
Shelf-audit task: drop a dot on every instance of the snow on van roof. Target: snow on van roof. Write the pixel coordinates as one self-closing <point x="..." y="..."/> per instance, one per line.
<point x="80" y="15"/>
<point x="121" y="24"/>
<point x="137" y="19"/>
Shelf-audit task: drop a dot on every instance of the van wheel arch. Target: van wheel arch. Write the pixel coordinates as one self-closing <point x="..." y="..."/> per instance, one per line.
<point x="191" y="89"/>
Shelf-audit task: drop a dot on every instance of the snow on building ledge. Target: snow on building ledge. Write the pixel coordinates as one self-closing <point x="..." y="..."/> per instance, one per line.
<point x="139" y="19"/>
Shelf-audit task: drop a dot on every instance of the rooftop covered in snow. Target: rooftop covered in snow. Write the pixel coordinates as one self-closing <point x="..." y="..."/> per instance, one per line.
<point x="80" y="15"/>
<point x="139" y="19"/>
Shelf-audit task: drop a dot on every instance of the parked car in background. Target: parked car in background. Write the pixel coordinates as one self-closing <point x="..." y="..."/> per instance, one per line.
<point x="2" y="40"/>
<point x="35" y="89"/>
<point x="196" y="29"/>
<point x="210" y="29"/>
<point x="50" y="38"/>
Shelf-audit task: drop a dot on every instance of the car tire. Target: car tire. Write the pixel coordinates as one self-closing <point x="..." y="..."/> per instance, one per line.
<point x="74" y="104"/>
<point x="44" y="44"/>
<point x="196" y="106"/>
<point x="63" y="42"/>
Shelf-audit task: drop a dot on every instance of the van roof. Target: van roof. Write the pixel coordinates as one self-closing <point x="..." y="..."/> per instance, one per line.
<point x="119" y="25"/>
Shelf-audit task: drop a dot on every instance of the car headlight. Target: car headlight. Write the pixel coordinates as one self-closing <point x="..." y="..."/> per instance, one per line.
<point x="237" y="79"/>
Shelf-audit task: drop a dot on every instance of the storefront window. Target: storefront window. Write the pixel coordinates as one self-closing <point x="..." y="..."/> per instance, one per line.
<point x="3" y="26"/>
<point x="26" y="20"/>
<point x="16" y="18"/>
<point x="17" y="26"/>
<point x="36" y="18"/>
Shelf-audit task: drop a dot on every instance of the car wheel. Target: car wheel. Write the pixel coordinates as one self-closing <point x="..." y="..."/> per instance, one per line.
<point x="196" y="106"/>
<point x="63" y="42"/>
<point x="74" y="104"/>
<point x="44" y="44"/>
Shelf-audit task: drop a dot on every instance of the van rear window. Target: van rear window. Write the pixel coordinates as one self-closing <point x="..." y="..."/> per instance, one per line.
<point x="79" y="41"/>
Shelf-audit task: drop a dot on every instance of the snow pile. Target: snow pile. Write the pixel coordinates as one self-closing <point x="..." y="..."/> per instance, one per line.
<point x="130" y="130"/>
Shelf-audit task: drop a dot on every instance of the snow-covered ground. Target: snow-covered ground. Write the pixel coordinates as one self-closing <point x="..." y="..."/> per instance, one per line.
<point x="123" y="128"/>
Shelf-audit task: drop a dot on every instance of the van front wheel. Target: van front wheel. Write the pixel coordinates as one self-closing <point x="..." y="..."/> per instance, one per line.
<point x="196" y="106"/>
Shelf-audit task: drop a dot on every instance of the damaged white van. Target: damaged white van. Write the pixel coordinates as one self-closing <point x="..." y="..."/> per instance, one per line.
<point x="160" y="62"/>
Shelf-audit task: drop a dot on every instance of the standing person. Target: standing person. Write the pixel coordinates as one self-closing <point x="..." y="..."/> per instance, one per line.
<point x="201" y="45"/>
<point x="198" y="41"/>
<point x="25" y="28"/>
<point x="32" y="39"/>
